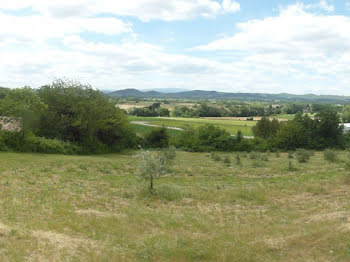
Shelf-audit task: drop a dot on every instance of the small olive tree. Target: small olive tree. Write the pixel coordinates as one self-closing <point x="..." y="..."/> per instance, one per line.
<point x="154" y="164"/>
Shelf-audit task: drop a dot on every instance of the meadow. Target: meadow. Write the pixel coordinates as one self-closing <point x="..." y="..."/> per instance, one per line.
<point x="232" y="126"/>
<point x="96" y="208"/>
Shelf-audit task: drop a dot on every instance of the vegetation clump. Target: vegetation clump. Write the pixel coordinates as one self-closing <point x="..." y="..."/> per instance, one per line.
<point x="330" y="155"/>
<point x="238" y="159"/>
<point x="227" y="161"/>
<point x="303" y="155"/>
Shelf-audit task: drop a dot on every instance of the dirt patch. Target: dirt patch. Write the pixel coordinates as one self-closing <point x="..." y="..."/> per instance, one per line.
<point x="91" y="212"/>
<point x="276" y="243"/>
<point x="339" y="215"/>
<point x="61" y="240"/>
<point x="4" y="229"/>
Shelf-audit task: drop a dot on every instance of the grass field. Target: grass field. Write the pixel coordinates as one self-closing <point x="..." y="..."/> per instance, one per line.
<point x="94" y="208"/>
<point x="231" y="126"/>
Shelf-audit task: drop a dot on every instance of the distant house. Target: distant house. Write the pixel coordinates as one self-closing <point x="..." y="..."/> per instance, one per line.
<point x="346" y="127"/>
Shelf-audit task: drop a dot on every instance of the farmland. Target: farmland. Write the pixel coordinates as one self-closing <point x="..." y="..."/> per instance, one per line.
<point x="95" y="208"/>
<point x="232" y="126"/>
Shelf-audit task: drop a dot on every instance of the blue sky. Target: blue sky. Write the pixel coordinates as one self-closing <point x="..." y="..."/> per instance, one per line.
<point x="224" y="45"/>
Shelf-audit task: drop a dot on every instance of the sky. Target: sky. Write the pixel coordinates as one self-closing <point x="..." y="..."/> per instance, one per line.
<point x="250" y="46"/>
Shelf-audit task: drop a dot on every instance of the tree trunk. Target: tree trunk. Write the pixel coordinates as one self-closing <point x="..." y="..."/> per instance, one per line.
<point x="151" y="187"/>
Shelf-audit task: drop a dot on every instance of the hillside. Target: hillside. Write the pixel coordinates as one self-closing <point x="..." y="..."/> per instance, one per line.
<point x="200" y="94"/>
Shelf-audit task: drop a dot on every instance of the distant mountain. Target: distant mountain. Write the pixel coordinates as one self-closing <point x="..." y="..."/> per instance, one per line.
<point x="200" y="94"/>
<point x="166" y="90"/>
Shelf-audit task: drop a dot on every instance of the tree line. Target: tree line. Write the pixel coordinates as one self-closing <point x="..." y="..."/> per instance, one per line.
<point x="73" y="118"/>
<point x="64" y="117"/>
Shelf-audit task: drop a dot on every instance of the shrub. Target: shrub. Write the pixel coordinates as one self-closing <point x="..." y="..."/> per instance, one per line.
<point x="253" y="155"/>
<point x="290" y="155"/>
<point x="290" y="166"/>
<point x="227" y="160"/>
<point x="170" y="153"/>
<point x="19" y="142"/>
<point x="3" y="146"/>
<point x="264" y="157"/>
<point x="215" y="157"/>
<point x="157" y="138"/>
<point x="330" y="155"/>
<point x="238" y="159"/>
<point x="49" y="146"/>
<point x="303" y="155"/>
<point x="211" y="137"/>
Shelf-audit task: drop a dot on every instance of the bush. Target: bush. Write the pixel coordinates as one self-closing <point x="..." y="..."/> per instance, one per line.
<point x="290" y="166"/>
<point x="3" y="146"/>
<point x="49" y="146"/>
<point x="211" y="137"/>
<point x="215" y="157"/>
<point x="17" y="141"/>
<point x="157" y="138"/>
<point x="303" y="155"/>
<point x="170" y="153"/>
<point x="253" y="155"/>
<point x="227" y="160"/>
<point x="238" y="159"/>
<point x="330" y="155"/>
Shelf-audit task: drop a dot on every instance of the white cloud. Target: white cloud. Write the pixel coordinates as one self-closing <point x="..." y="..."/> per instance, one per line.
<point x="322" y="5"/>
<point x="298" y="45"/>
<point x="41" y="28"/>
<point x="145" y="10"/>
<point x="231" y="6"/>
<point x="347" y="5"/>
<point x="300" y="50"/>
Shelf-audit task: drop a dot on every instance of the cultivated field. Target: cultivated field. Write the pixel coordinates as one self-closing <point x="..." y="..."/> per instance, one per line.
<point x="94" y="208"/>
<point x="232" y="126"/>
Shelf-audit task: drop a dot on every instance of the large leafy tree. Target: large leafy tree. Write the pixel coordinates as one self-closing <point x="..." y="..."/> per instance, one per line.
<point x="266" y="128"/>
<point x="77" y="113"/>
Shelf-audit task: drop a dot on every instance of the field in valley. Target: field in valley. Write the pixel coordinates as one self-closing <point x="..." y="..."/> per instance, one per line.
<point x="231" y="125"/>
<point x="95" y="208"/>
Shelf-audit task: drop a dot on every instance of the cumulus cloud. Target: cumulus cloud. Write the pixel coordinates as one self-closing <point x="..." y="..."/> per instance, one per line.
<point x="145" y="10"/>
<point x="302" y="49"/>
<point x="37" y="27"/>
<point x="347" y="5"/>
<point x="298" y="43"/>
<point x="322" y="5"/>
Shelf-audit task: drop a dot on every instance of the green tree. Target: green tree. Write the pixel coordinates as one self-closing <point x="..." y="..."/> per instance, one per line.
<point x="266" y="128"/>
<point x="79" y="114"/>
<point x="25" y="105"/>
<point x="291" y="136"/>
<point x="346" y="114"/>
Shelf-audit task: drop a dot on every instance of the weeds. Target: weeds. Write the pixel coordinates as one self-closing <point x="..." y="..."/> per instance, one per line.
<point x="227" y="161"/>
<point x="238" y="159"/>
<point x="303" y="155"/>
<point x="215" y="157"/>
<point x="330" y="155"/>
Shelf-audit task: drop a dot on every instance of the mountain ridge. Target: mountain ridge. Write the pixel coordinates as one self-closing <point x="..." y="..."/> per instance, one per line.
<point x="202" y="94"/>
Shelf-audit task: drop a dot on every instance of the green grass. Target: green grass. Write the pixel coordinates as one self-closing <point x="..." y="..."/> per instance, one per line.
<point x="143" y="130"/>
<point x="231" y="126"/>
<point x="284" y="116"/>
<point x="94" y="208"/>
